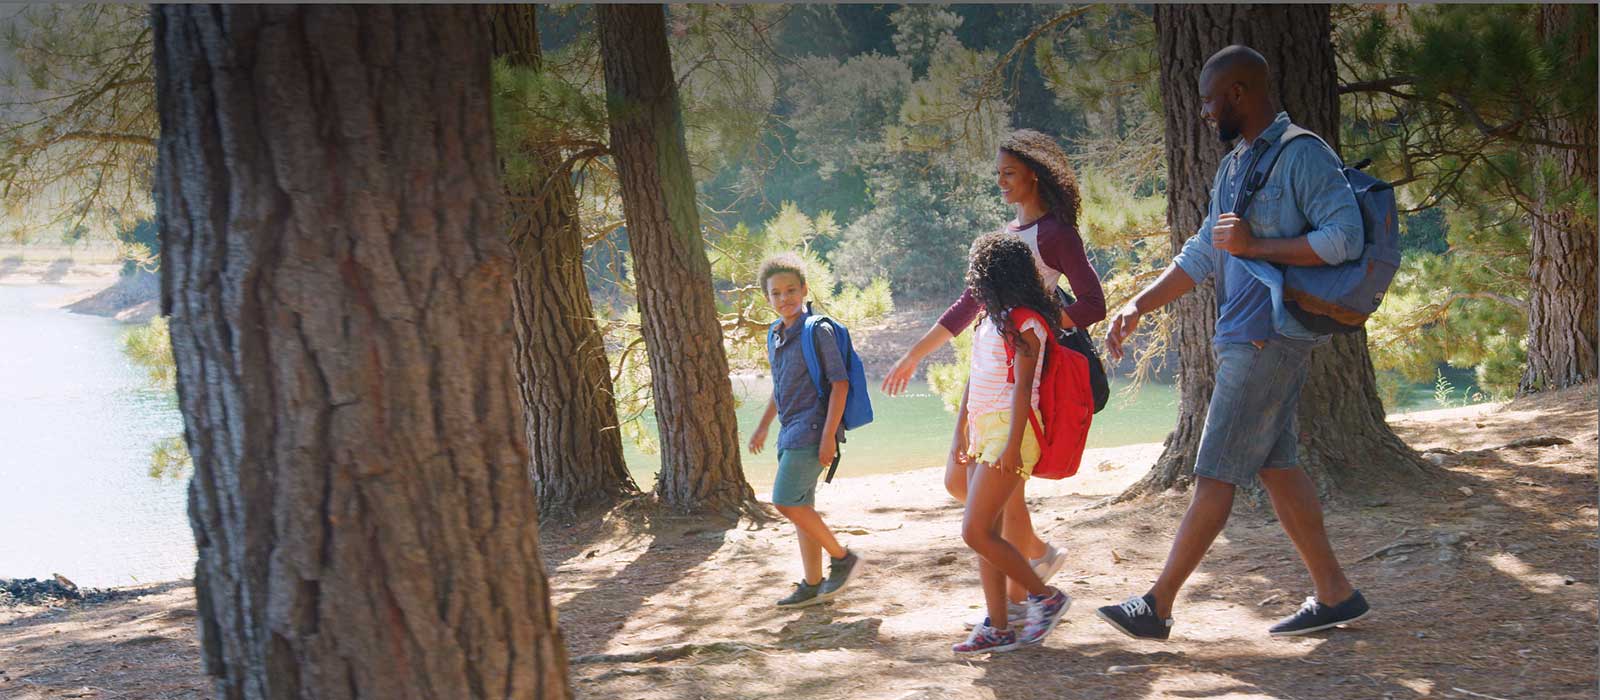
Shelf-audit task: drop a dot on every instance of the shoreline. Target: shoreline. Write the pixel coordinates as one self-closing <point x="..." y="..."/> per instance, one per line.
<point x="92" y="289"/>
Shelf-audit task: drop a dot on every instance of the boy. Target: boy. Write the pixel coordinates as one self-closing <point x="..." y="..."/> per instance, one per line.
<point x="808" y="439"/>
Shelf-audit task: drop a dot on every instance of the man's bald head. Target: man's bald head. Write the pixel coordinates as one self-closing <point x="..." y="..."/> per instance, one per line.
<point x="1233" y="92"/>
<point x="1237" y="64"/>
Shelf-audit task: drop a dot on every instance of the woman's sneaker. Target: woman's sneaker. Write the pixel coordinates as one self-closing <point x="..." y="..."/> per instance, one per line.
<point x="1015" y="612"/>
<point x="985" y="639"/>
<point x="1314" y="616"/>
<point x="1043" y="614"/>
<point x="839" y="573"/>
<point x="1136" y="618"/>
<point x="804" y="594"/>
<point x="1049" y="564"/>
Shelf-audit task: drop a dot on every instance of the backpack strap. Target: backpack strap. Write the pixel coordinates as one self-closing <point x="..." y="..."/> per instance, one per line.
<point x="1263" y="167"/>
<point x="808" y="349"/>
<point x="772" y="346"/>
<point x="1020" y="316"/>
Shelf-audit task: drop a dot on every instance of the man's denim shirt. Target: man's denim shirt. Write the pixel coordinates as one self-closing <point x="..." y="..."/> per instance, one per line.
<point x="1305" y="194"/>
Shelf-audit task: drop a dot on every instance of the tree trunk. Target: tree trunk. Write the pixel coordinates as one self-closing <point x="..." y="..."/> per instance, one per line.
<point x="561" y="355"/>
<point x="339" y="290"/>
<point x="700" y="467"/>
<point x="1562" y="327"/>
<point x="1345" y="443"/>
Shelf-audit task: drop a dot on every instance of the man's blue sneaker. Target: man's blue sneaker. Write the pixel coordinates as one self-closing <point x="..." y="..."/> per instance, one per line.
<point x="1314" y="616"/>
<point x="1136" y="618"/>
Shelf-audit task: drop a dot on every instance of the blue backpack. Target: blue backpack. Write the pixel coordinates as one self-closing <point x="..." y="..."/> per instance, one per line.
<point x="1338" y="298"/>
<point x="857" y="405"/>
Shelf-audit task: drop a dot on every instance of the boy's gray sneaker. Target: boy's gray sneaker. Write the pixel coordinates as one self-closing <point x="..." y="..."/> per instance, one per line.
<point x="839" y="572"/>
<point x="804" y="594"/>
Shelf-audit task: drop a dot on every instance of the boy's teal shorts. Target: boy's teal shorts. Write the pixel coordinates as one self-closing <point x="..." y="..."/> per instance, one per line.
<point x="798" y="470"/>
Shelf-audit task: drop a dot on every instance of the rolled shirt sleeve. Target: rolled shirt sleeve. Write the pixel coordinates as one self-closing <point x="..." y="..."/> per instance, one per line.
<point x="1324" y="196"/>
<point x="1197" y="259"/>
<point x="833" y="367"/>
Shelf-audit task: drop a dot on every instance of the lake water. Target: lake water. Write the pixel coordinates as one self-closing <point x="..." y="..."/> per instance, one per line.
<point x="79" y="422"/>
<point x="913" y="430"/>
<point x="76" y="429"/>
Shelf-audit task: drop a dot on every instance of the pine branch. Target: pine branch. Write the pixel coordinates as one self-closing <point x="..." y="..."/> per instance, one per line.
<point x="1383" y="85"/>
<point x="103" y="137"/>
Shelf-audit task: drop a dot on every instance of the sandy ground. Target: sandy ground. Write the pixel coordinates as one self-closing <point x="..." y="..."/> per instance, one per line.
<point x="1483" y="586"/>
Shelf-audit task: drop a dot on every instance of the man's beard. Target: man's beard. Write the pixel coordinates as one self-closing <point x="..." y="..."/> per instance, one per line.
<point x="1227" y="128"/>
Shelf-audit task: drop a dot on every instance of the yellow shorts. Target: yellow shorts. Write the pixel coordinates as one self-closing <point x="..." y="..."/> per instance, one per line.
<point x="987" y="436"/>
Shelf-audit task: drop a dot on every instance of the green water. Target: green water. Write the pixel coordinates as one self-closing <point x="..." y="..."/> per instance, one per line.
<point x="913" y="430"/>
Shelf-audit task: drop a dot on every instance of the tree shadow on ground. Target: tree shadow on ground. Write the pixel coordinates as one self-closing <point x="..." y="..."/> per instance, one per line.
<point x="10" y="265"/>
<point x="602" y="604"/>
<point x="56" y="271"/>
<point x="60" y="652"/>
<point x="1503" y="562"/>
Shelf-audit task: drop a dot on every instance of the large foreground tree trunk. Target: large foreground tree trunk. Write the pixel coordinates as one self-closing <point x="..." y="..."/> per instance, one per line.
<point x="561" y="356"/>
<point x="339" y="292"/>
<point x="700" y="467"/>
<point x="1565" y="293"/>
<point x="1345" y="443"/>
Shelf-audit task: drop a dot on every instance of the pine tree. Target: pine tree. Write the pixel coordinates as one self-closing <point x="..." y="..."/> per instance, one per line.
<point x="339" y="291"/>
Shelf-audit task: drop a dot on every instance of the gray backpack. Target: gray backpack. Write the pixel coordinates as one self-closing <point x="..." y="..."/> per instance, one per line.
<point x="1338" y="298"/>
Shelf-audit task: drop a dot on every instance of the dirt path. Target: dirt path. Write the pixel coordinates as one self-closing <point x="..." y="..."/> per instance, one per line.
<point x="1484" y="586"/>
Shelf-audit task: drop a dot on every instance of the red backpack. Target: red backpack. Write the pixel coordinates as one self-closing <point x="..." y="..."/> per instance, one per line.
<point x="1065" y="402"/>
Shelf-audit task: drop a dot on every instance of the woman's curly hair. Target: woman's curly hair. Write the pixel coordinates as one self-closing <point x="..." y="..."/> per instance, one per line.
<point x="1058" y="183"/>
<point x="1002" y="276"/>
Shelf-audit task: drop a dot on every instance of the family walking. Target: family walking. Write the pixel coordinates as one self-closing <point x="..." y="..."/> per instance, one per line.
<point x="1278" y="203"/>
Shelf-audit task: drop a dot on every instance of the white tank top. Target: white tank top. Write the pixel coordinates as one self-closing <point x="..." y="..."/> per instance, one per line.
<point x="1030" y="235"/>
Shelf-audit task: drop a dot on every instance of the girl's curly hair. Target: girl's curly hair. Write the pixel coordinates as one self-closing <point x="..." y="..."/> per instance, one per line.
<point x="1002" y="276"/>
<point x="1058" y="183"/>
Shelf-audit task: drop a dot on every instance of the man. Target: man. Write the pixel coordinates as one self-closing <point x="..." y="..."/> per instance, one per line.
<point x="1303" y="214"/>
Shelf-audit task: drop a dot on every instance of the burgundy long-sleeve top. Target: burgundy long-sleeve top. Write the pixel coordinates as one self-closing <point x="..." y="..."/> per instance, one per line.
<point x="1057" y="251"/>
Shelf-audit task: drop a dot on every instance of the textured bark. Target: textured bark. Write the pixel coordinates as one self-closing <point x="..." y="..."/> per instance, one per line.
<point x="1565" y="292"/>
<point x="700" y="467"/>
<point x="1345" y="443"/>
<point x="561" y="360"/>
<point x="339" y="293"/>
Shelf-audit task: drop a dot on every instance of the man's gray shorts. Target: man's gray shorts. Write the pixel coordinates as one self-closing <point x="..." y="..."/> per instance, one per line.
<point x="1250" y="425"/>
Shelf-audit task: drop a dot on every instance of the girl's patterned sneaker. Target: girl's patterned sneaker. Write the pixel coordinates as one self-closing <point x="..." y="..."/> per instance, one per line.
<point x="985" y="639"/>
<point x="1043" y="614"/>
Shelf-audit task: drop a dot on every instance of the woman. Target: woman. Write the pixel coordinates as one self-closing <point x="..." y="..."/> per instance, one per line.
<point x="1035" y="177"/>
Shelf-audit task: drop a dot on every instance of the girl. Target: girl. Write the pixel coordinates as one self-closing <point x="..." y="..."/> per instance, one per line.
<point x="993" y="429"/>
<point x="808" y="439"/>
<point x="1034" y="176"/>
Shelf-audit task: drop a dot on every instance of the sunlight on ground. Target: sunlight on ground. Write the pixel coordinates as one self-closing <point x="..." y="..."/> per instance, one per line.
<point x="1510" y="565"/>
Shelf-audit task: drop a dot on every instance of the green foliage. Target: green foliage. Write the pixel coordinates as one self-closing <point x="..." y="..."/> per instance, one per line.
<point x="744" y="312"/>
<point x="139" y="246"/>
<point x="149" y="347"/>
<point x="921" y="31"/>
<point x="840" y="109"/>
<point x="77" y="121"/>
<point x="925" y="148"/>
<point x="949" y="379"/>
<point x="736" y="257"/>
<point x="1449" y="101"/>
<point x="170" y="459"/>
